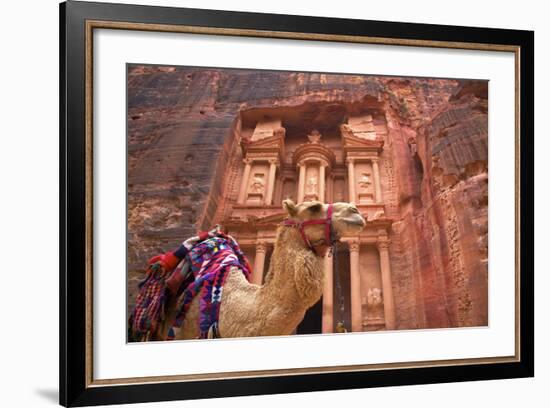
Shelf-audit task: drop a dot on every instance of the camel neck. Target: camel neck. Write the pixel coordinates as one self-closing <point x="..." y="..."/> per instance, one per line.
<point x="287" y="244"/>
<point x="282" y="277"/>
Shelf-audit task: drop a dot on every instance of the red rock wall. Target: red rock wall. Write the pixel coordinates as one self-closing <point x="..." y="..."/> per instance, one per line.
<point x="439" y="244"/>
<point x="183" y="126"/>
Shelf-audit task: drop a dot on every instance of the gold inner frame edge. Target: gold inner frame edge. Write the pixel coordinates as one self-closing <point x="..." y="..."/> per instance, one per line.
<point x="92" y="24"/>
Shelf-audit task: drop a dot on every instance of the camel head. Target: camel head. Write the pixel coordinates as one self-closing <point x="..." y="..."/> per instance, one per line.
<point x="346" y="218"/>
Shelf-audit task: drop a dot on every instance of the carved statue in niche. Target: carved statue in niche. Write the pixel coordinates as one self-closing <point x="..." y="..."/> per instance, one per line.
<point x="257" y="185"/>
<point x="374" y="297"/>
<point x="312" y="185"/>
<point x="373" y="308"/>
<point x="365" y="181"/>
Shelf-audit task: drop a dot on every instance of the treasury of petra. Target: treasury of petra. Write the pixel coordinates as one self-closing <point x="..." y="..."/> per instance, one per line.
<point x="211" y="146"/>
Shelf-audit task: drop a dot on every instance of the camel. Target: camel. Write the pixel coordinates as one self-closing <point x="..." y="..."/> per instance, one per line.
<point x="293" y="284"/>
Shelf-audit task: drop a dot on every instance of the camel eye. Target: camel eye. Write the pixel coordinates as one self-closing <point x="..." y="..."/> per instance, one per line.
<point x="354" y="210"/>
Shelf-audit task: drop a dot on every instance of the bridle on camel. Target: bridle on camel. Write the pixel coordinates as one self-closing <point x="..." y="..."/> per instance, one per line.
<point x="330" y="240"/>
<point x="329" y="235"/>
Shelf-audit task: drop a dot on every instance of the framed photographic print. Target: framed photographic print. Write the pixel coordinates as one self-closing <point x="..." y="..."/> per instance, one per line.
<point x="256" y="203"/>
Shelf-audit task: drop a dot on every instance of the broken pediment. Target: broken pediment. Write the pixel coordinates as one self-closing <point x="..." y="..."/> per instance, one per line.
<point x="266" y="128"/>
<point x="273" y="144"/>
<point x="353" y="142"/>
<point x="254" y="218"/>
<point x="361" y="127"/>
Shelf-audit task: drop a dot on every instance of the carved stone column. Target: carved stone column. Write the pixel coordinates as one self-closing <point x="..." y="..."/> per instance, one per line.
<point x="301" y="182"/>
<point x="355" y="281"/>
<point x="271" y="181"/>
<point x="322" y="182"/>
<point x="328" y="299"/>
<point x="377" y="187"/>
<point x="259" y="262"/>
<point x="351" y="180"/>
<point x="278" y="194"/>
<point x="244" y="181"/>
<point x="387" y="291"/>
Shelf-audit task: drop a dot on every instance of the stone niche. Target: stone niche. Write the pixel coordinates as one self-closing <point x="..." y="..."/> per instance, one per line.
<point x="372" y="297"/>
<point x="257" y="184"/>
<point x="313" y="161"/>
<point x="311" y="192"/>
<point x="364" y="183"/>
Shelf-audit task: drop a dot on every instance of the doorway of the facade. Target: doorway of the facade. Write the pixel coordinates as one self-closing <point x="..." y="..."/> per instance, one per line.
<point x="313" y="320"/>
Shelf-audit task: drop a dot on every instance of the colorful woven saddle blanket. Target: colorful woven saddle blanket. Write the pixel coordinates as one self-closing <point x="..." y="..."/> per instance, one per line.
<point x="202" y="273"/>
<point x="210" y="262"/>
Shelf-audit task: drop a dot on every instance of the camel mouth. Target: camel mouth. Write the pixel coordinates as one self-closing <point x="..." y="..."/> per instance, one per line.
<point x="348" y="226"/>
<point x="360" y="223"/>
<point x="356" y="220"/>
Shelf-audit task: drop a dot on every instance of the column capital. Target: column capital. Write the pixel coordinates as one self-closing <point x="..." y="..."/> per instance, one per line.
<point x="350" y="160"/>
<point x="261" y="246"/>
<point x="353" y="245"/>
<point x="280" y="131"/>
<point x="259" y="263"/>
<point x="383" y="244"/>
<point x="273" y="161"/>
<point x="246" y="160"/>
<point x="375" y="159"/>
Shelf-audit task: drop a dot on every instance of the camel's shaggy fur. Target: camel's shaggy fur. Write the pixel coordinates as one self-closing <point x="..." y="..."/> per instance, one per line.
<point x="293" y="283"/>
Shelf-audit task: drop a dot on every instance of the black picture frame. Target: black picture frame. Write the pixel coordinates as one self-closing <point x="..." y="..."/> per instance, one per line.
<point x="75" y="386"/>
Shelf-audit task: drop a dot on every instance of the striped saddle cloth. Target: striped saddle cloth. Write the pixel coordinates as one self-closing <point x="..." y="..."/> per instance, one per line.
<point x="202" y="273"/>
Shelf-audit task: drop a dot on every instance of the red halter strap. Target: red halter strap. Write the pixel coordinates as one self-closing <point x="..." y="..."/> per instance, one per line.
<point x="301" y="224"/>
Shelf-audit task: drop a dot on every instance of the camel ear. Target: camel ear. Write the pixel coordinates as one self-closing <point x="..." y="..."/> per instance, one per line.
<point x="315" y="208"/>
<point x="290" y="207"/>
